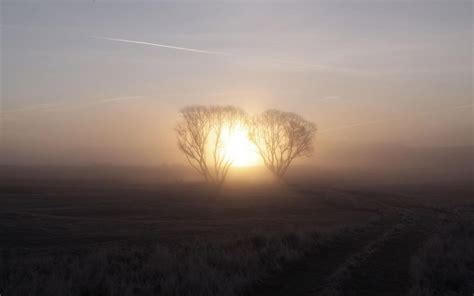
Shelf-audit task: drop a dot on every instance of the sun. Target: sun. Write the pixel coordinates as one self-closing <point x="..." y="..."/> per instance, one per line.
<point x="238" y="148"/>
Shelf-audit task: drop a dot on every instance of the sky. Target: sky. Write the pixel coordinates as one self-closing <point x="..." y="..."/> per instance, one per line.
<point x="103" y="81"/>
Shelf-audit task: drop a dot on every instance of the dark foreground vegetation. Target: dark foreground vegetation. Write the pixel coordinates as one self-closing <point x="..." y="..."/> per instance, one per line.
<point x="102" y="235"/>
<point x="197" y="268"/>
<point x="445" y="264"/>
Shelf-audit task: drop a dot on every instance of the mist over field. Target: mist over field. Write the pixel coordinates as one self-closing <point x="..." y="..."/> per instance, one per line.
<point x="386" y="164"/>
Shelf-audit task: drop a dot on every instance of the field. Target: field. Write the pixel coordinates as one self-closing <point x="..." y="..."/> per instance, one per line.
<point x="96" y="231"/>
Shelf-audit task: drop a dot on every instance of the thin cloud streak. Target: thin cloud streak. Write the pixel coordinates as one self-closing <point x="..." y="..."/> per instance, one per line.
<point x="117" y="99"/>
<point x="62" y="106"/>
<point x="40" y="107"/>
<point x="370" y="122"/>
<point x="352" y="125"/>
<point x="331" y="98"/>
<point x="166" y="46"/>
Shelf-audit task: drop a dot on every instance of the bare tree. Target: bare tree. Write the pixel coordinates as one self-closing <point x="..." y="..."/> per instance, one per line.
<point x="280" y="137"/>
<point x="200" y="138"/>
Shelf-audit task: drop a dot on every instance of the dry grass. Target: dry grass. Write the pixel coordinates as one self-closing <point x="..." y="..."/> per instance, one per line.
<point x="194" y="269"/>
<point x="445" y="264"/>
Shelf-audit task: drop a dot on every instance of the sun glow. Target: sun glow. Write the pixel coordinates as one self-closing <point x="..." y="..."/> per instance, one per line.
<point x="238" y="148"/>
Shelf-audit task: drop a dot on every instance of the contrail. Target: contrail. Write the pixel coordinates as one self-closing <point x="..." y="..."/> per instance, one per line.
<point x="166" y="46"/>
<point x="228" y="54"/>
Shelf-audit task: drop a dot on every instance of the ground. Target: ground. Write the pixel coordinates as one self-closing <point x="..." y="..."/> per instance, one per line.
<point x="333" y="239"/>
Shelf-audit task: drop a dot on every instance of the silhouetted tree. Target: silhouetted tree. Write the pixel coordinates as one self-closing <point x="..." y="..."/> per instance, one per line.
<point x="200" y="138"/>
<point x="280" y="137"/>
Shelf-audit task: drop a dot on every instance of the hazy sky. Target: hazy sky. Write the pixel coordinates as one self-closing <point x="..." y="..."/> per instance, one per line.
<point x="102" y="81"/>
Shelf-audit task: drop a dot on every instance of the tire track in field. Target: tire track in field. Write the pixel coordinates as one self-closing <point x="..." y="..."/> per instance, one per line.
<point x="311" y="275"/>
<point x="373" y="262"/>
<point x="381" y="267"/>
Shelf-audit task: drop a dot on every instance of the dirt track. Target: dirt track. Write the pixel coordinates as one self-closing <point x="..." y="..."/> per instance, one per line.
<point x="371" y="261"/>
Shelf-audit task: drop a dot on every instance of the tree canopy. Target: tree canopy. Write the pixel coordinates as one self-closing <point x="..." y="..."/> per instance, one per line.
<point x="280" y="137"/>
<point x="200" y="137"/>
